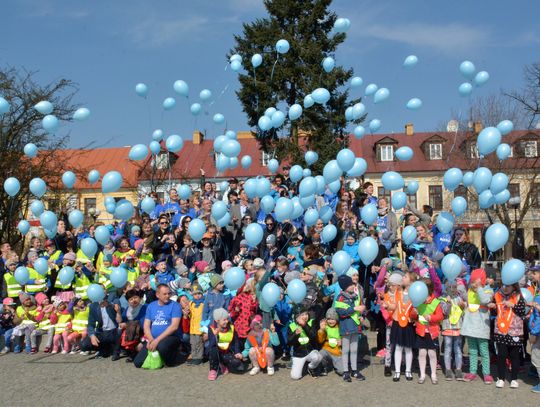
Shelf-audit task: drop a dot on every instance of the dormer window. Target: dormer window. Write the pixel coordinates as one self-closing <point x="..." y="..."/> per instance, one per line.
<point x="529" y="148"/>
<point x="435" y="151"/>
<point x="385" y="152"/>
<point x="265" y="157"/>
<point x="161" y="161"/>
<point x="473" y="151"/>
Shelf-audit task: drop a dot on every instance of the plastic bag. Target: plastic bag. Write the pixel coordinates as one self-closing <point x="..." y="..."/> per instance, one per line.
<point x="153" y="361"/>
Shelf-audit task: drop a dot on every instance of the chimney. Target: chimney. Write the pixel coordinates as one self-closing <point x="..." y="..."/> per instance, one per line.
<point x="409" y="129"/>
<point x="478" y="127"/>
<point x="198" y="137"/>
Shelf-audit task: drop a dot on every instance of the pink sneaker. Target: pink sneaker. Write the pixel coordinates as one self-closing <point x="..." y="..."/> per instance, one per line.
<point x="381" y="353"/>
<point x="488" y="379"/>
<point x="224" y="369"/>
<point x="212" y="375"/>
<point x="469" y="377"/>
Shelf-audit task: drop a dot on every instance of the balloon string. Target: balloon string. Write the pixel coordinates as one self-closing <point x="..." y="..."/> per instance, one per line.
<point x="149" y="116"/>
<point x="257" y="93"/>
<point x="274" y="67"/>
<point x="220" y="95"/>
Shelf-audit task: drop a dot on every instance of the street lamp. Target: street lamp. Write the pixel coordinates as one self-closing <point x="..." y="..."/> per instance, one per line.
<point x="514" y="203"/>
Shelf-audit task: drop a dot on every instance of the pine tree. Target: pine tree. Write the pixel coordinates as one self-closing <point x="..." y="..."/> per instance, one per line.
<point x="307" y="26"/>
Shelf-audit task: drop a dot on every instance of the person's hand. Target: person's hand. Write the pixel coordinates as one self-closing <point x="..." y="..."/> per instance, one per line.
<point x="298" y="331"/>
<point x="238" y="356"/>
<point x="272" y="328"/>
<point x="202" y="172"/>
<point x="360" y="308"/>
<point x="94" y="340"/>
<point x="152" y="345"/>
<point x="122" y="326"/>
<point x="117" y="308"/>
<point x="322" y="324"/>
<point x="492" y="305"/>
<point x="508" y="304"/>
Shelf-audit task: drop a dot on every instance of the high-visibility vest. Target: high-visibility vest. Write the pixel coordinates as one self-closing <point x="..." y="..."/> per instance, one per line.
<point x="55" y="256"/>
<point x="455" y="311"/>
<point x="224" y="339"/>
<point x="403" y="310"/>
<point x="26" y="316"/>
<point x="387" y="299"/>
<point x="81" y="286"/>
<point x="504" y="313"/>
<point x="260" y="350"/>
<point x="332" y="333"/>
<point x="83" y="258"/>
<point x="58" y="285"/>
<point x="303" y="338"/>
<point x="132" y="275"/>
<point x="45" y="324"/>
<point x="80" y="319"/>
<point x="103" y="279"/>
<point x="427" y="309"/>
<point x="12" y="286"/>
<point x="147" y="257"/>
<point x="61" y="325"/>
<point x="355" y="316"/>
<point x="473" y="301"/>
<point x="35" y="288"/>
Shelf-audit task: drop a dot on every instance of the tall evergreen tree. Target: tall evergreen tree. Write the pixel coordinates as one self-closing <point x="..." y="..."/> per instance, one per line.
<point x="307" y="26"/>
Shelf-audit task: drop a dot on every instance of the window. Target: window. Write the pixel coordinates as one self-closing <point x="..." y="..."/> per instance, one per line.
<point x="265" y="157"/>
<point x="383" y="193"/>
<point x="473" y="151"/>
<point x="514" y="190"/>
<point x="161" y="161"/>
<point x="411" y="200"/>
<point x="461" y="191"/>
<point x="89" y="203"/>
<point x="386" y="152"/>
<point x="435" y="151"/>
<point x="529" y="148"/>
<point x="435" y="197"/>
<point x="535" y="196"/>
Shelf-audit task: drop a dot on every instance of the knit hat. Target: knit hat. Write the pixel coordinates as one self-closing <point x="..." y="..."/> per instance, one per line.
<point x="57" y="301"/>
<point x="258" y="263"/>
<point x="108" y="257"/>
<point x="351" y="272"/>
<point x="220" y="314"/>
<point x="225" y="264"/>
<point x="332" y="314"/>
<point x="396" y="278"/>
<point x="135" y="228"/>
<point x="138" y="243"/>
<point x="244" y="243"/>
<point x="70" y="256"/>
<point x="49" y="243"/>
<point x="144" y="264"/>
<point x="196" y="288"/>
<point x="8" y="301"/>
<point x="478" y="274"/>
<point x="40" y="297"/>
<point x="181" y="269"/>
<point x="345" y="282"/>
<point x="200" y="265"/>
<point x="257" y="319"/>
<point x="182" y="282"/>
<point x="24" y="296"/>
<point x="215" y="280"/>
<point x="312" y="271"/>
<point x="10" y="262"/>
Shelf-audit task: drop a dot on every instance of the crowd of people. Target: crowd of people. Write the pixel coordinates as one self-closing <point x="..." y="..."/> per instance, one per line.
<point x="175" y="308"/>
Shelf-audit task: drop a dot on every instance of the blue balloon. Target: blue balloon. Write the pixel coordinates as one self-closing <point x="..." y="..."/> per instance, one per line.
<point x="148" y="205"/>
<point x="269" y="112"/>
<point x="467" y="69"/>
<point x="356" y="82"/>
<point x="12" y="186"/>
<point x="174" y="143"/>
<point x="157" y="135"/>
<point x="295" y="111"/>
<point x="231" y="148"/>
<point x="332" y="171"/>
<point x="459" y="205"/>
<point x="410" y="61"/>
<point x="481" y="78"/>
<point x="246" y="162"/>
<point x="307" y="201"/>
<point x="404" y="153"/>
<point x="22" y="275"/>
<point x="418" y="293"/>
<point x="321" y="184"/>
<point x="345" y="159"/>
<point x="381" y="95"/>
<point x="308" y="186"/>
<point x="341" y="25"/>
<point x="503" y="151"/>
<point x="222" y="162"/>
<point x="329" y="233"/>
<point x="50" y="123"/>
<point x="93" y="176"/>
<point x="308" y="101"/>
<point x="368" y="249"/>
<point x="348" y="114"/>
<point x="23" y="226"/>
<point x="219" y="209"/>
<point x="66" y="275"/>
<point x="265" y="123"/>
<point x="320" y="96"/>
<point x="262" y="187"/>
<point x="502" y="197"/>
<point x="369" y="214"/>
<point x="218" y="118"/>
<point x="124" y="210"/>
<point x="341" y="262"/>
<point x="273" y="165"/>
<point x="496" y="237"/>
<point x="184" y="192"/>
<point x="482" y="179"/>
<point x="278" y="118"/>
<point x="328" y="64"/>
<point x="234" y="278"/>
<point x="296" y="290"/>
<point x="218" y="143"/>
<point x="267" y="204"/>
<point x="374" y="125"/>
<point x="311" y="157"/>
<point x="499" y="182"/>
<point x="414" y="104"/>
<point x="488" y="140"/>
<point x="359" y="132"/>
<point x="527" y="296"/>
<point x="181" y="88"/>
<point x="235" y="57"/>
<point x="102" y="234"/>
<point x="256" y="60"/>
<point x="38" y="187"/>
<point x="282" y="46"/>
<point x="465" y="89"/>
<point x="81" y="114"/>
<point x="89" y="247"/>
<point x="224" y="221"/>
<point x="231" y="134"/>
<point x="95" y="293"/>
<point x="452" y="178"/>
<point x="371" y="89"/>
<point x="48" y="220"/>
<point x="68" y="179"/>
<point x="392" y="181"/>
<point x="111" y="182"/>
<point x="141" y="89"/>
<point x="295" y="173"/>
<point x="118" y="277"/>
<point x="4" y="106"/>
<point x="486" y="199"/>
<point x="50" y="233"/>
<point x="408" y="236"/>
<point x="512" y="272"/>
<point x="412" y="187"/>
<point x="283" y="209"/>
<point x="358" y="110"/>
<point x="110" y="204"/>
<point x="399" y="200"/>
<point x="154" y="147"/>
<point x="359" y="168"/>
<point x="445" y="222"/>
<point x="468" y="179"/>
<point x="41" y="266"/>
<point x="451" y="266"/>
<point x="505" y="127"/>
<point x="44" y="107"/>
<point x="271" y="294"/>
<point x="196" y="229"/>
<point x="195" y="109"/>
<point x="138" y="152"/>
<point x="37" y="207"/>
<point x="205" y="95"/>
<point x="325" y="213"/>
<point x="253" y="234"/>
<point x="334" y="186"/>
<point x="30" y="150"/>
<point x="75" y="218"/>
<point x="311" y="216"/>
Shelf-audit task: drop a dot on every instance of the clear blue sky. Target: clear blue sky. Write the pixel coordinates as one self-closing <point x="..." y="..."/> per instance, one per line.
<point x="109" y="46"/>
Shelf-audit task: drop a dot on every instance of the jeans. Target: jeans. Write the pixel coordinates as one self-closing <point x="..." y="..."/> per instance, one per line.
<point x="168" y="348"/>
<point x="7" y="336"/>
<point x="26" y="331"/>
<point x="331" y="362"/>
<point x="452" y="344"/>
<point x="313" y="358"/>
<point x="216" y="357"/>
<point x="109" y="342"/>
<point x="349" y="346"/>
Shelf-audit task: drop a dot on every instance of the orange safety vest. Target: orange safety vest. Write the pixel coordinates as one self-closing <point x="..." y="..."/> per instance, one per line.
<point x="261" y="352"/>
<point x="403" y="310"/>
<point x="504" y="314"/>
<point x="388" y="300"/>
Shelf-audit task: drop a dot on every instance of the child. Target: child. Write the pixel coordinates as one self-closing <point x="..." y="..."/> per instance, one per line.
<point x="79" y="324"/>
<point x="25" y="322"/>
<point x="45" y="326"/>
<point x="189" y="253"/>
<point x="215" y="298"/>
<point x="302" y="337"/>
<point x="62" y="326"/>
<point x="351" y="248"/>
<point x="142" y="283"/>
<point x="196" y="306"/>
<point x="508" y="335"/>
<point x="132" y="324"/>
<point x="162" y="275"/>
<point x="283" y="312"/>
<point x="452" y="307"/>
<point x="534" y="326"/>
<point x="328" y="336"/>
<point x="429" y="315"/>
<point x="243" y="254"/>
<point x="223" y="346"/>
<point x="349" y="309"/>
<point x="476" y="325"/>
<point x="7" y="323"/>
<point x="104" y="272"/>
<point x="259" y="348"/>
<point x="394" y="283"/>
<point x="242" y="309"/>
<point x="207" y="252"/>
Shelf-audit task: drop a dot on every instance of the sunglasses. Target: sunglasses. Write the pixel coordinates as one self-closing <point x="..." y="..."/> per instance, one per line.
<point x="163" y="223"/>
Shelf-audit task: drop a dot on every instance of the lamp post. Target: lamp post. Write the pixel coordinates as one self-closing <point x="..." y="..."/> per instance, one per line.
<point x="514" y="203"/>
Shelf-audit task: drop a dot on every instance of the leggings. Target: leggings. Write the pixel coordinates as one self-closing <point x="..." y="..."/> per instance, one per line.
<point x="349" y="346"/>
<point x="75" y="339"/>
<point x="40" y="332"/>
<point x="314" y="358"/>
<point x="475" y="345"/>
<point x="452" y="343"/>
<point x="422" y="360"/>
<point x="398" y="352"/>
<point x="504" y="352"/>
<point x="56" y="341"/>
<point x="388" y="353"/>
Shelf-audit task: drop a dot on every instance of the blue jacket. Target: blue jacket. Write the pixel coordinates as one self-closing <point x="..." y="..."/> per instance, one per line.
<point x="534" y="321"/>
<point x="352" y="250"/>
<point x="346" y="324"/>
<point x="283" y="310"/>
<point x="95" y="320"/>
<point x="212" y="302"/>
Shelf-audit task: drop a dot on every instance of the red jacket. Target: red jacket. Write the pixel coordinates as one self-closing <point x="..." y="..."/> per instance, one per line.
<point x="434" y="327"/>
<point x="247" y="307"/>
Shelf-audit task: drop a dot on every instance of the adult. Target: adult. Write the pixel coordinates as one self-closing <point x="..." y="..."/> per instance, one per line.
<point x="185" y="210"/>
<point x="240" y="210"/>
<point x="368" y="189"/>
<point x="462" y="246"/>
<point x="387" y="225"/>
<point x="103" y="333"/>
<point x="161" y="328"/>
<point x="233" y="187"/>
<point x="172" y="207"/>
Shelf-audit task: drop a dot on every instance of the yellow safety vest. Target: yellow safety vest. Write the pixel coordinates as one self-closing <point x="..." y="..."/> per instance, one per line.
<point x="35" y="288"/>
<point x="132" y="275"/>
<point x="60" y="286"/>
<point x="83" y="258"/>
<point x="103" y="280"/>
<point x="13" y="288"/>
<point x="224" y="339"/>
<point x="45" y="324"/>
<point x="303" y="339"/>
<point x="55" y="256"/>
<point x="24" y="315"/>
<point x="80" y="319"/>
<point x="332" y="333"/>
<point x="81" y="286"/>
<point x="61" y="325"/>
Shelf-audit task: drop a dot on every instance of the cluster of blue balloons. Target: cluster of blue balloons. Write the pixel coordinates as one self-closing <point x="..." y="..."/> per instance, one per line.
<point x="468" y="70"/>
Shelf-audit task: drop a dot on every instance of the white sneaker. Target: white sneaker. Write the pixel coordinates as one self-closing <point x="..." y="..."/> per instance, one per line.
<point x="85" y="353"/>
<point x="514" y="384"/>
<point x="254" y="371"/>
<point x="5" y="350"/>
<point x="54" y="352"/>
<point x="64" y="352"/>
<point x="270" y="371"/>
<point x="73" y="352"/>
<point x="499" y="384"/>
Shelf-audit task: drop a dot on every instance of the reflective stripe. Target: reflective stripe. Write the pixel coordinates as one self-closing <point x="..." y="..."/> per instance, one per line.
<point x="61" y="325"/>
<point x="80" y="319"/>
<point x="35" y="288"/>
<point x="81" y="286"/>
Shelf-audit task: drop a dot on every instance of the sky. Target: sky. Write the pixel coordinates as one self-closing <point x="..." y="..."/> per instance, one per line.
<point x="107" y="47"/>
